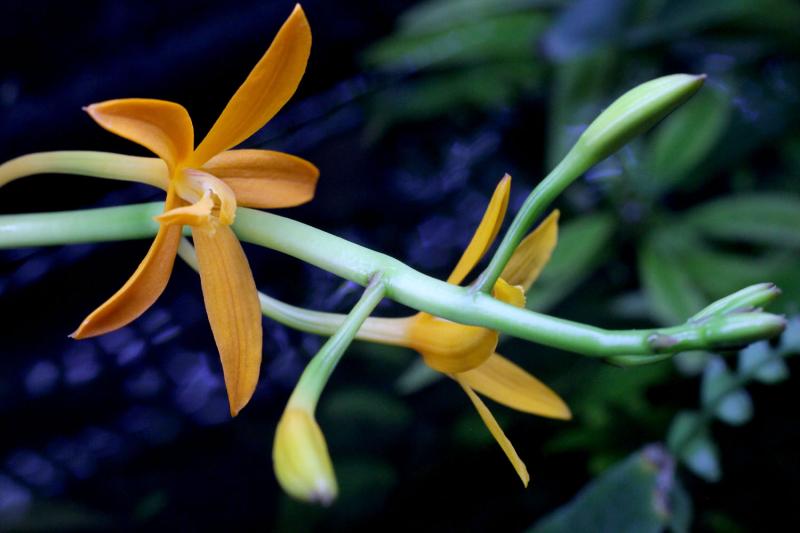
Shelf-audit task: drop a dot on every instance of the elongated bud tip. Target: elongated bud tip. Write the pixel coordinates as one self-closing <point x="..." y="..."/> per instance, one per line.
<point x="301" y="460"/>
<point x="752" y="297"/>
<point x="739" y="329"/>
<point x="635" y="112"/>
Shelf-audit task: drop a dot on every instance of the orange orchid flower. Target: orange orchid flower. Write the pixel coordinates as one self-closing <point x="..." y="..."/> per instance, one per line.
<point x="204" y="185"/>
<point x="467" y="353"/>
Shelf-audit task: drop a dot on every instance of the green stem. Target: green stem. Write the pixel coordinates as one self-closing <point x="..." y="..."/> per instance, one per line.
<point x="567" y="171"/>
<point x="150" y="170"/>
<point x="403" y="284"/>
<point x="318" y="371"/>
<point x="381" y="330"/>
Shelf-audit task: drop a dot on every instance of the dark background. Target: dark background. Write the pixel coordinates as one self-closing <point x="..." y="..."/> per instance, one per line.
<point x="131" y="430"/>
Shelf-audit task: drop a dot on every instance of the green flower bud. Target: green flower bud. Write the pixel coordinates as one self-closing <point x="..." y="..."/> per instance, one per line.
<point x="635" y="112"/>
<point x="749" y="298"/>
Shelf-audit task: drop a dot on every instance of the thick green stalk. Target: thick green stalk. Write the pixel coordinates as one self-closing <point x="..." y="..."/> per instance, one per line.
<point x="403" y="283"/>
<point x="318" y="371"/>
<point x="570" y="168"/>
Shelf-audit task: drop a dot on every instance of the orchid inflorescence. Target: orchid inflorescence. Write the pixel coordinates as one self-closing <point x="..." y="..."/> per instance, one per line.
<point x="456" y="331"/>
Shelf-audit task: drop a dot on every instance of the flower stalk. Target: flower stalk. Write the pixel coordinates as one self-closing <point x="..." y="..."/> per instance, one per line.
<point x="402" y="283"/>
<point x="300" y="454"/>
<point x="628" y="116"/>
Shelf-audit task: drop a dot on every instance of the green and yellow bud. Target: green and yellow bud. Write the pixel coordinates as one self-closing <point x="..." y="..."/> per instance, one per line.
<point x="635" y="112"/>
<point x="301" y="460"/>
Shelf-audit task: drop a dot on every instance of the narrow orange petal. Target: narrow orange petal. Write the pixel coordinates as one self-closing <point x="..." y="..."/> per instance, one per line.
<point x="233" y="309"/>
<point x="265" y="91"/>
<point x="265" y="179"/>
<point x="142" y="289"/>
<point x="486" y="232"/>
<point x="447" y="346"/>
<point x="532" y="254"/>
<point x="506" y="383"/>
<point x="497" y="433"/>
<point x="163" y="127"/>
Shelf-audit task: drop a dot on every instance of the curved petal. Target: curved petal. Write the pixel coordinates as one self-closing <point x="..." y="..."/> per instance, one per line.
<point x="163" y="127"/>
<point x="268" y="87"/>
<point x="532" y="254"/>
<point x="265" y="179"/>
<point x="142" y="289"/>
<point x="486" y="232"/>
<point x="194" y="185"/>
<point x="197" y="214"/>
<point x="506" y="383"/>
<point x="497" y="433"/>
<point x="450" y="347"/>
<point x="233" y="309"/>
<point x="510" y="294"/>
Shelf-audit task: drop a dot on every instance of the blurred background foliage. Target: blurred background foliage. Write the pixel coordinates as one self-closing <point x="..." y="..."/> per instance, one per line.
<point x="430" y="103"/>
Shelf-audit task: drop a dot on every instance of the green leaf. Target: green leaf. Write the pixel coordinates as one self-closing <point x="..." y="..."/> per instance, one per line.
<point x="683" y="429"/>
<point x="790" y="340"/>
<point x="721" y="273"/>
<point x="482" y="87"/>
<point x="759" y="218"/>
<point x="686" y="137"/>
<point x="702" y="457"/>
<point x="717" y="381"/>
<point x="673" y="294"/>
<point x="736" y="408"/>
<point x="442" y="15"/>
<point x="761" y="362"/>
<point x="582" y="243"/>
<point x="637" y="495"/>
<point x="689" y="439"/>
<point x="500" y="38"/>
<point x="580" y="90"/>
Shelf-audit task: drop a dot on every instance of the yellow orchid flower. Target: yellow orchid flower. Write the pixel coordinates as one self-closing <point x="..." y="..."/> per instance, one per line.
<point x="467" y="353"/>
<point x="204" y="186"/>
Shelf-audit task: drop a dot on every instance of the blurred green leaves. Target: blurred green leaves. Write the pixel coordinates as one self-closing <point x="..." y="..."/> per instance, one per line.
<point x="640" y="494"/>
<point x="453" y="55"/>
<point x="704" y="205"/>
<point x="756" y="218"/>
<point x="723" y="396"/>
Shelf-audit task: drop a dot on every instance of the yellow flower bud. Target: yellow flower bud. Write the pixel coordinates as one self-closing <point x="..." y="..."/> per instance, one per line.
<point x="301" y="460"/>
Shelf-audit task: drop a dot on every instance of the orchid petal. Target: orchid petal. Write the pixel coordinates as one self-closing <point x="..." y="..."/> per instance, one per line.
<point x="268" y="87"/>
<point x="265" y="179"/>
<point x="197" y="214"/>
<point x="233" y="309"/>
<point x="510" y="294"/>
<point x="447" y="346"/>
<point x="532" y="254"/>
<point x="506" y="383"/>
<point x="142" y="289"/>
<point x="497" y="433"/>
<point x="486" y="232"/>
<point x="193" y="185"/>
<point x="160" y="126"/>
